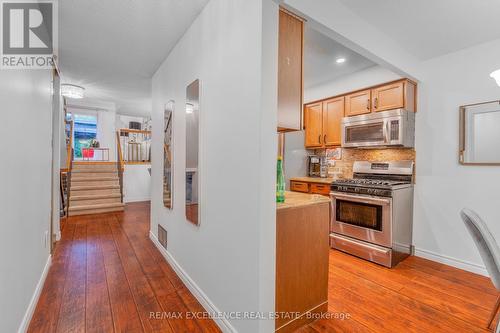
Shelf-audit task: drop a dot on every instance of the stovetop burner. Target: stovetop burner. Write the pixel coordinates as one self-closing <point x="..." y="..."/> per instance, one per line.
<point x="378" y="179"/>
<point x="369" y="182"/>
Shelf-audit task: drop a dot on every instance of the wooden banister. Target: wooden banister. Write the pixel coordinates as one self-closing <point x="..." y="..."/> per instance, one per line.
<point x="119" y="162"/>
<point x="69" y="146"/>
<point x="130" y="130"/>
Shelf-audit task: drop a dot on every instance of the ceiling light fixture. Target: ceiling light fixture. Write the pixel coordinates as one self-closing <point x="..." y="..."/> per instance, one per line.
<point x="496" y="75"/>
<point x="72" y="91"/>
<point x="340" y="60"/>
<point x="189" y="108"/>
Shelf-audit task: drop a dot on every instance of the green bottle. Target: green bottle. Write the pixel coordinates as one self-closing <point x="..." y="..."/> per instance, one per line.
<point x="280" y="182"/>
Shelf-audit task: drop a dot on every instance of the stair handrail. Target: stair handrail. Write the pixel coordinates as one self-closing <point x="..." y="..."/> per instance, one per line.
<point x="145" y="135"/>
<point x="69" y="147"/>
<point x="119" y="162"/>
<point x="68" y="180"/>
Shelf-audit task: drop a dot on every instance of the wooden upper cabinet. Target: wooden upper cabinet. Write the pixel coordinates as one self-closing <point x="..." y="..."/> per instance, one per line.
<point x="333" y="112"/>
<point x="290" y="54"/>
<point x="313" y="118"/>
<point x="388" y="97"/>
<point x="358" y="103"/>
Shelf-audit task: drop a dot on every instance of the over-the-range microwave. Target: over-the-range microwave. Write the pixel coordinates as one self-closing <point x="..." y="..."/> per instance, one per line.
<point x="393" y="128"/>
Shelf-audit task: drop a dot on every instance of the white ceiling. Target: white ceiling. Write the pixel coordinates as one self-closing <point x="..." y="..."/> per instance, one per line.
<point x="430" y="28"/>
<point x="320" y="53"/>
<point x="113" y="47"/>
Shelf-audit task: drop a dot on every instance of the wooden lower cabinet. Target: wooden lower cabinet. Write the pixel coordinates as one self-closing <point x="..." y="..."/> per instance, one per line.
<point x="310" y="186"/>
<point x="323" y="189"/>
<point x="299" y="187"/>
<point x="302" y="250"/>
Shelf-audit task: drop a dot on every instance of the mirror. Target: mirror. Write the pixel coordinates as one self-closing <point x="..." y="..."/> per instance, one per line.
<point x="168" y="154"/>
<point x="192" y="148"/>
<point x="480" y="134"/>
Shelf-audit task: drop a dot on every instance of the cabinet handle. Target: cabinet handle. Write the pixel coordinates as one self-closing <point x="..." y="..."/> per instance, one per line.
<point x="368" y="104"/>
<point x="324" y="139"/>
<point x="319" y="138"/>
<point x="375" y="103"/>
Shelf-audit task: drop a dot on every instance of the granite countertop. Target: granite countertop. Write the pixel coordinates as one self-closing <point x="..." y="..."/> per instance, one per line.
<point x="298" y="199"/>
<point x="318" y="180"/>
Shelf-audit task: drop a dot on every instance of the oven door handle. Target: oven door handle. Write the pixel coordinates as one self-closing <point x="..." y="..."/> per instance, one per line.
<point x="362" y="199"/>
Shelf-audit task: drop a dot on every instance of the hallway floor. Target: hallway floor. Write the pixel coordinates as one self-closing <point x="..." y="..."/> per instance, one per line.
<point x="107" y="276"/>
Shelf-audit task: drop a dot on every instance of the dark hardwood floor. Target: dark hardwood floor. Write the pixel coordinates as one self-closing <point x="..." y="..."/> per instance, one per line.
<point x="418" y="295"/>
<point x="107" y="276"/>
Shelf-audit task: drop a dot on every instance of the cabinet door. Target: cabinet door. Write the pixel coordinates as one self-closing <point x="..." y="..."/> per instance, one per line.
<point x="299" y="186"/>
<point x="290" y="72"/>
<point x="388" y="97"/>
<point x="333" y="112"/>
<point x="322" y="189"/>
<point x="357" y="103"/>
<point x="313" y="122"/>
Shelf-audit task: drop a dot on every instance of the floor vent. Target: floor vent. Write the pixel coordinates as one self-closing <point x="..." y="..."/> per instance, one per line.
<point x="162" y="236"/>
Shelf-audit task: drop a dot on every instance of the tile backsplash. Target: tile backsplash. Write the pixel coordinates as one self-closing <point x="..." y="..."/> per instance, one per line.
<point x="343" y="166"/>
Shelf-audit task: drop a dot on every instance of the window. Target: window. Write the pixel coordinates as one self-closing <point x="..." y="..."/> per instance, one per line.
<point x="85" y="130"/>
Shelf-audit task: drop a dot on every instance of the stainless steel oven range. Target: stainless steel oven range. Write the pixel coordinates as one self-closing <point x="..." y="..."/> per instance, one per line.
<point x="372" y="213"/>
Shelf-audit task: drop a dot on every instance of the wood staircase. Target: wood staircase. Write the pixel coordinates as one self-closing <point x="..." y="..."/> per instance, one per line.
<point x="94" y="188"/>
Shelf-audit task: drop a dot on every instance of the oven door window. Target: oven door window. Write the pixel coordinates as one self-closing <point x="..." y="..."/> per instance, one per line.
<point x="359" y="214"/>
<point x="373" y="132"/>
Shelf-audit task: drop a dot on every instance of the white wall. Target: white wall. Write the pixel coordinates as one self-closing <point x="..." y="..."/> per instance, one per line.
<point x="25" y="175"/>
<point x="334" y="19"/>
<point x="122" y="121"/>
<point x="230" y="256"/>
<point x="136" y="183"/>
<point x="358" y="80"/>
<point x="106" y="131"/>
<point x="443" y="185"/>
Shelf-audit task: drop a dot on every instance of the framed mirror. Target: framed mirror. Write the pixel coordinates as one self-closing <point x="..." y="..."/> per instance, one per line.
<point x="192" y="151"/>
<point x="480" y="134"/>
<point x="168" y="154"/>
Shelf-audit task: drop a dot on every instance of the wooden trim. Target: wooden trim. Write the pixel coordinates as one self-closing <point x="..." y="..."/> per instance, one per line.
<point x="137" y="162"/>
<point x="129" y="130"/>
<point x="69" y="146"/>
<point x="93" y="162"/>
<point x="119" y="147"/>
<point x="363" y="89"/>
<point x="461" y="136"/>
<point x="284" y="10"/>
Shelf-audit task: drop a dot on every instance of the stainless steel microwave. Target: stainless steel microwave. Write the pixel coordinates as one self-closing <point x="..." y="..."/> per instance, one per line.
<point x="393" y="128"/>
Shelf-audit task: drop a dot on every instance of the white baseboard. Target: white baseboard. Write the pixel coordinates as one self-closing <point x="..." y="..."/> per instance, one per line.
<point x="34" y="299"/>
<point x="136" y="199"/>
<point x="462" y="264"/>
<point x="207" y="304"/>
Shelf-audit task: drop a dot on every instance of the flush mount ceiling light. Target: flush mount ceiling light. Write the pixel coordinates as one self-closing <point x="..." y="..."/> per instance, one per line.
<point x="340" y="60"/>
<point x="496" y="75"/>
<point x="189" y="108"/>
<point x="72" y="91"/>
